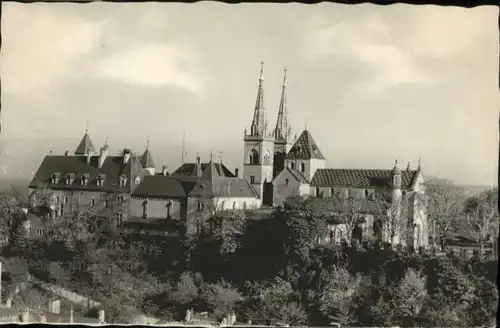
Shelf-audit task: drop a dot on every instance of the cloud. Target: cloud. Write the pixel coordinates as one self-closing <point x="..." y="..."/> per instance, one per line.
<point x="154" y="65"/>
<point x="368" y="43"/>
<point x="41" y="45"/>
<point x="439" y="32"/>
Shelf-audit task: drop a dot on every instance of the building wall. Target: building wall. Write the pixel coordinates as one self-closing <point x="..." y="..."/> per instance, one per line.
<point x="155" y="208"/>
<point x="282" y="190"/>
<point x="263" y="170"/>
<point x="310" y="166"/>
<point x="341" y="191"/>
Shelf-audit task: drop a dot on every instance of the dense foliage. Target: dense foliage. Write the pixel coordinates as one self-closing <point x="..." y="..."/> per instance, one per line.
<point x="267" y="270"/>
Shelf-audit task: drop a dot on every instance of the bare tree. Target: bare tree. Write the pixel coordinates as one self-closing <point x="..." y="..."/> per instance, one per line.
<point x="482" y="216"/>
<point x="444" y="207"/>
<point x="391" y="215"/>
<point x="350" y="212"/>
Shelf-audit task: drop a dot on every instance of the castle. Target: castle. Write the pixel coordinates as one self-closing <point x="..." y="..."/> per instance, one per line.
<point x="276" y="166"/>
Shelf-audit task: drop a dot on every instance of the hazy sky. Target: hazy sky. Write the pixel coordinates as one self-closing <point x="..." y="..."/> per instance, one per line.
<point x="373" y="83"/>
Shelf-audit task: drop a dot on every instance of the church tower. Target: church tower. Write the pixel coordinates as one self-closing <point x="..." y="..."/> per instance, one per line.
<point x="282" y="133"/>
<point x="259" y="145"/>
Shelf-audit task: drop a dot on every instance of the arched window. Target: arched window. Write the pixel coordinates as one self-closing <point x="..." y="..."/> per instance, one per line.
<point x="253" y="157"/>
<point x="267" y="158"/>
<point x="302" y="167"/>
<point x="92" y="202"/>
<point x="292" y="165"/>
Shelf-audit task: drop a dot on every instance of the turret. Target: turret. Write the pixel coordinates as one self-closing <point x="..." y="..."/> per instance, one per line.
<point x="147" y="160"/>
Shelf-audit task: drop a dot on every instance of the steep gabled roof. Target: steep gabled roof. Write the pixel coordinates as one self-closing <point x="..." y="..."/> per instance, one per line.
<point x="305" y="148"/>
<point x="294" y="173"/>
<point x="187" y="169"/>
<point x="355" y="178"/>
<point x="147" y="159"/>
<point x="85" y="147"/>
<point x="77" y="166"/>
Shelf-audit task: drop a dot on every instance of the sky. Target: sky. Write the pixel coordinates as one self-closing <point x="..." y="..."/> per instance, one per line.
<point x="374" y="84"/>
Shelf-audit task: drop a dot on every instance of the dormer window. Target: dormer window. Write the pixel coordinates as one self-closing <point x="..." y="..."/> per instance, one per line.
<point x="123" y="181"/>
<point x="137" y="180"/>
<point x="54" y="179"/>
<point x="100" y="180"/>
<point x="70" y="178"/>
<point x="84" y="179"/>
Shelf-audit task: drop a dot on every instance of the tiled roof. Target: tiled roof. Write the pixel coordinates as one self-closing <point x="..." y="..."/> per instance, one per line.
<point x="77" y="166"/>
<point x="360" y="178"/>
<point x="188" y="169"/>
<point x="210" y="184"/>
<point x="160" y="186"/>
<point x="85" y="146"/>
<point x="305" y="148"/>
<point x="299" y="176"/>
<point x="147" y="159"/>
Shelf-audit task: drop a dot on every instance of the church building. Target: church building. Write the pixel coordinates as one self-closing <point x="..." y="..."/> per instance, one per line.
<point x="280" y="166"/>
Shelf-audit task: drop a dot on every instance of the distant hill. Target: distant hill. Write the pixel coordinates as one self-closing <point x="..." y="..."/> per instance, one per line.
<point x="469" y="190"/>
<point x="18" y="186"/>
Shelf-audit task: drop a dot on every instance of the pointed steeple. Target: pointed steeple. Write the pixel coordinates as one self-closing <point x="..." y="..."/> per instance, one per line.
<point x="85" y="147"/>
<point x="305" y="148"/>
<point x="283" y="129"/>
<point x="259" y="122"/>
<point x="146" y="158"/>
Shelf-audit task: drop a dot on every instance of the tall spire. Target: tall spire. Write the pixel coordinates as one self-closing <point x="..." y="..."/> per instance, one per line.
<point x="283" y="129"/>
<point x="259" y="123"/>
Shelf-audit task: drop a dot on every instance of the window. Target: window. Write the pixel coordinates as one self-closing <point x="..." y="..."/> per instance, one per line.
<point x="68" y="180"/>
<point x="244" y="205"/>
<point x="137" y="180"/>
<point x="222" y="205"/>
<point x="332" y="192"/>
<point x="65" y="200"/>
<point x="252" y="179"/>
<point x="123" y="181"/>
<point x="287" y="181"/>
<point x="234" y="205"/>
<point x="292" y="166"/>
<point x="83" y="180"/>
<point x="57" y="199"/>
<point x="145" y="209"/>
<point x="366" y="193"/>
<point x="92" y="202"/>
<point x="199" y="205"/>
<point x="253" y="157"/>
<point x="318" y="193"/>
<point x="120" y="199"/>
<point x="267" y="159"/>
<point x="302" y="167"/>
<point x="169" y="206"/>
<point x="106" y="203"/>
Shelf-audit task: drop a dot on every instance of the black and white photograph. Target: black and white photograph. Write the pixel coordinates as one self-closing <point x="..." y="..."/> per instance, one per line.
<point x="251" y="165"/>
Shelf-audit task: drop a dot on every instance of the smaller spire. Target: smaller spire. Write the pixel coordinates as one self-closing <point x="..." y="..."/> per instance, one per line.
<point x="305" y="126"/>
<point x="210" y="154"/>
<point x="285" y="82"/>
<point x="419" y="167"/>
<point x="408" y="166"/>
<point x="147" y="143"/>
<point x="261" y="77"/>
<point x="87" y="127"/>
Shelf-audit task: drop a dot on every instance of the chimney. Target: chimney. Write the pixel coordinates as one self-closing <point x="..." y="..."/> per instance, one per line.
<point x="102" y="317"/>
<point x="236" y="171"/>
<point x="199" y="172"/>
<point x="102" y="155"/>
<point x="164" y="170"/>
<point x="126" y="156"/>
